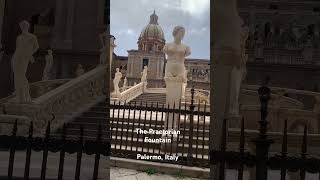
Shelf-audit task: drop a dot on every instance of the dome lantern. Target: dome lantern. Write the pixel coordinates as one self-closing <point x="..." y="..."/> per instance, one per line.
<point x="152" y="36"/>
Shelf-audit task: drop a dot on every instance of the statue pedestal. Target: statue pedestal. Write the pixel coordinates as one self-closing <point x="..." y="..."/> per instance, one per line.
<point x="174" y="87"/>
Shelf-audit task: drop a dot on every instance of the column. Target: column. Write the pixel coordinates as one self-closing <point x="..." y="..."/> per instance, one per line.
<point x="2" y="8"/>
<point x="225" y="55"/>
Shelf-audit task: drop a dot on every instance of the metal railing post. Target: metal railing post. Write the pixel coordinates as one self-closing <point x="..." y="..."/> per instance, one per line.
<point x="262" y="142"/>
<point x="192" y="106"/>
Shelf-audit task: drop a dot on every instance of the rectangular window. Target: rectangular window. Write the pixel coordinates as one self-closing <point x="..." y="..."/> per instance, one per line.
<point x="145" y="62"/>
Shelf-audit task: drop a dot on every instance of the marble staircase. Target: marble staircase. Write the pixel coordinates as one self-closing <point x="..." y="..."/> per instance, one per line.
<point x="124" y="137"/>
<point x="150" y="98"/>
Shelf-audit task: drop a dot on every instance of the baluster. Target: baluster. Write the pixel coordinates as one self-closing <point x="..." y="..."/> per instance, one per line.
<point x="284" y="151"/>
<point x="184" y="128"/>
<point x="112" y="122"/>
<point x="198" y="124"/>
<point x="156" y="126"/>
<point x="97" y="157"/>
<point x="62" y="152"/>
<point x="144" y="125"/>
<point x="12" y="149"/>
<point x="150" y="120"/>
<point x="122" y="122"/>
<point x="128" y="122"/>
<point x="133" y="124"/>
<point x="190" y="157"/>
<point x="167" y="127"/>
<point x="223" y="149"/>
<point x="162" y="121"/>
<point x="117" y="127"/>
<point x="204" y="129"/>
<point x="139" y="123"/>
<point x="45" y="153"/>
<point x="178" y="128"/>
<point x="304" y="153"/>
<point x="28" y="154"/>
<point x="79" y="154"/>
<point x="173" y="127"/>
<point x="241" y="149"/>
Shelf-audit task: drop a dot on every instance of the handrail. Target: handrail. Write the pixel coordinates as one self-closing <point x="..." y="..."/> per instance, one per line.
<point x="64" y="102"/>
<point x="131" y="93"/>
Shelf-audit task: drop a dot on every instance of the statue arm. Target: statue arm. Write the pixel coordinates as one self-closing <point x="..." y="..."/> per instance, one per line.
<point x="188" y="51"/>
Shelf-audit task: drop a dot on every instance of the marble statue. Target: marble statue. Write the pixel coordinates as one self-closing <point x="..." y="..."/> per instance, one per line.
<point x="125" y="84"/>
<point x="238" y="74"/>
<point x="116" y="80"/>
<point x="144" y="74"/>
<point x="175" y="72"/>
<point x="176" y="52"/>
<point x="26" y="46"/>
<point x="185" y="83"/>
<point x="80" y="71"/>
<point x="47" y="68"/>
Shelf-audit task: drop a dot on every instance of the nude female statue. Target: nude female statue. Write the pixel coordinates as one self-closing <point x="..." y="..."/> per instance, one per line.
<point x="116" y="80"/>
<point x="176" y="52"/>
<point x="26" y="46"/>
<point x="49" y="63"/>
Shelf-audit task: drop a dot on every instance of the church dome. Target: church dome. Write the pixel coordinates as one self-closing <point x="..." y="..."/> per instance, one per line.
<point x="152" y="36"/>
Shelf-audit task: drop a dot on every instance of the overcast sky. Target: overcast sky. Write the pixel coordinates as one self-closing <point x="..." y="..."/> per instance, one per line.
<point x="129" y="17"/>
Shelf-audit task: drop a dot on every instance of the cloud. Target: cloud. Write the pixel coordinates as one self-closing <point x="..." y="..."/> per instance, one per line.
<point x="129" y="17"/>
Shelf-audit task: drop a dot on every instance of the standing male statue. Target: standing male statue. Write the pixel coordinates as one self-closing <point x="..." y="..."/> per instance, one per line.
<point x="26" y="46"/>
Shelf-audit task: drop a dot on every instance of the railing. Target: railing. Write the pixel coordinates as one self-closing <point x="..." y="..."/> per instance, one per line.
<point x="141" y="131"/>
<point x="48" y="144"/>
<point x="131" y="93"/>
<point x="309" y="99"/>
<point x="40" y="88"/>
<point x="64" y="101"/>
<point x="262" y="158"/>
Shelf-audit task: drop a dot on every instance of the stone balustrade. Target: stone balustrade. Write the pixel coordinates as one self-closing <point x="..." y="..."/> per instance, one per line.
<point x="131" y="93"/>
<point x="310" y="99"/>
<point x="64" y="102"/>
<point x="40" y="88"/>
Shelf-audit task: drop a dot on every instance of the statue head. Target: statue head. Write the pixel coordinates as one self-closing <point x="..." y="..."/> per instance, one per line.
<point x="24" y="26"/>
<point x="50" y="52"/>
<point x="178" y="33"/>
<point x="117" y="69"/>
<point x="145" y="67"/>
